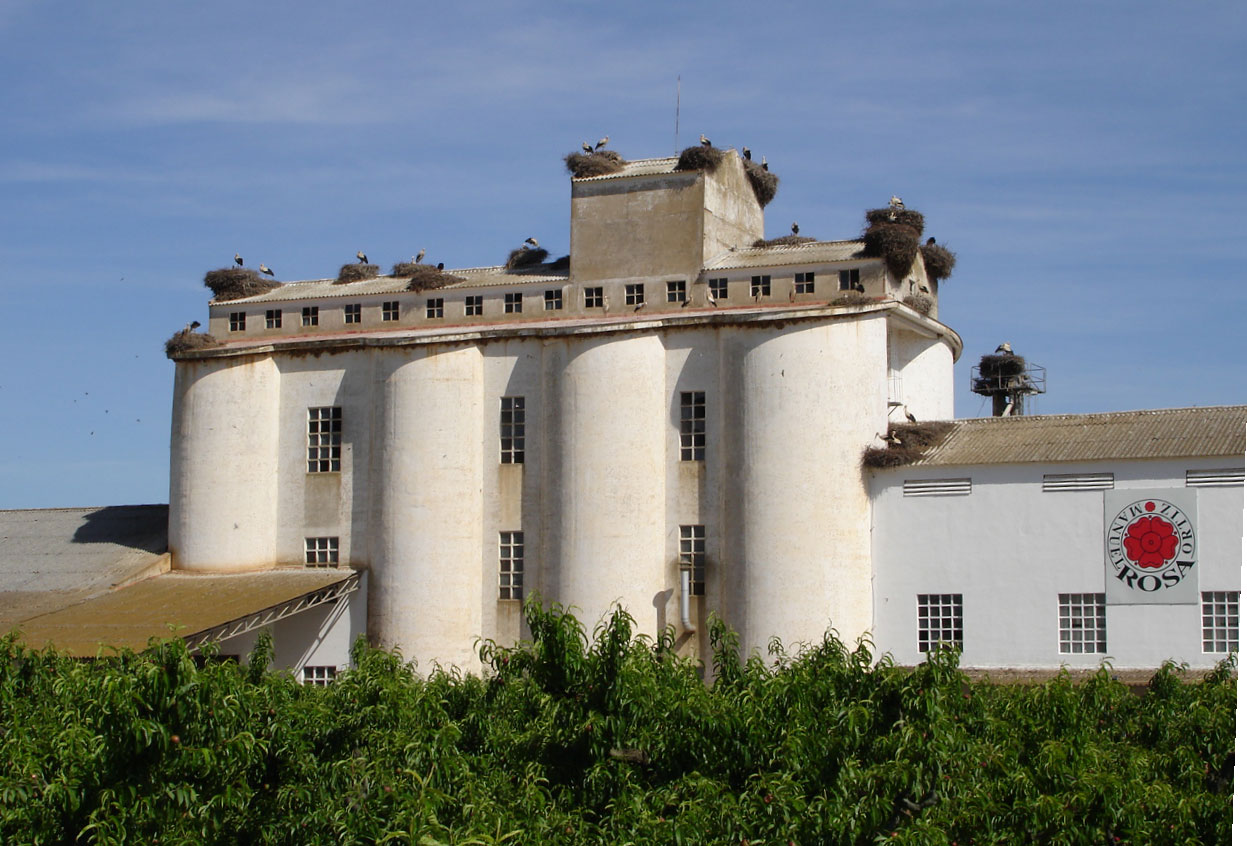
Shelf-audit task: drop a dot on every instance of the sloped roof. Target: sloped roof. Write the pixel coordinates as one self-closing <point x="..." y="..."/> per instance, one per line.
<point x="1208" y="431"/>
<point x="811" y="252"/>
<point x="639" y="167"/>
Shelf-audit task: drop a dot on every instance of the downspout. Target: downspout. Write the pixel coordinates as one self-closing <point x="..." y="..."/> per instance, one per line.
<point x="685" y="590"/>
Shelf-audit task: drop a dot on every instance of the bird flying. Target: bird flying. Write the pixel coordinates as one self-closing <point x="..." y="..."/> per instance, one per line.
<point x="1005" y="348"/>
<point x="265" y="269"/>
<point x="895" y="202"/>
<point x="602" y="142"/>
<point x="531" y="242"/>
<point x="363" y="259"/>
<point x="237" y="259"/>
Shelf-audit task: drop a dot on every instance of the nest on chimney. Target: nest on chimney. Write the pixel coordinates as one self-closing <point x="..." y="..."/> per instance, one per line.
<point x="234" y="283"/>
<point x="356" y="273"/>
<point x="597" y="163"/>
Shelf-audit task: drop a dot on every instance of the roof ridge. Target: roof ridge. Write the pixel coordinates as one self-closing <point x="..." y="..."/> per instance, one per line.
<point x="1071" y="414"/>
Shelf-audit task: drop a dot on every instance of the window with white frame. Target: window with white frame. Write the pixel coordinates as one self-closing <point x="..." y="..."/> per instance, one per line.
<point x="803" y="283"/>
<point x="693" y="558"/>
<point x="324" y="439"/>
<point x="1220" y="619"/>
<point x="718" y="288"/>
<point x="634" y="294"/>
<point x="434" y="307"/>
<point x="311" y="315"/>
<point x="351" y="313"/>
<point x="320" y="552"/>
<point x="760" y="286"/>
<point x="510" y="565"/>
<point x="513" y="303"/>
<point x="676" y="291"/>
<point x="389" y="310"/>
<point x="1081" y="623"/>
<point x="850" y="280"/>
<point x="594" y="298"/>
<point x="554" y="299"/>
<point x="692" y="425"/>
<point x="473" y="305"/>
<point x="272" y="318"/>
<point x="237" y="321"/>
<point x="939" y="620"/>
<point x="319" y="676"/>
<point x="511" y="430"/>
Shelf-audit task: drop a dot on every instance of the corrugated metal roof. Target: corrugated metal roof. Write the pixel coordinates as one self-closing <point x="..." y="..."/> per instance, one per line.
<point x="1159" y="433"/>
<point x="474" y="277"/>
<point x="640" y="167"/>
<point x="171" y="604"/>
<point x="812" y="252"/>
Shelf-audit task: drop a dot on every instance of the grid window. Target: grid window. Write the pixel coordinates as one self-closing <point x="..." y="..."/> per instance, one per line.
<point x="434" y="307"/>
<point x="718" y="288"/>
<point x="311" y="315"/>
<point x="474" y="305"/>
<point x="1081" y="618"/>
<point x="351" y="313"/>
<point x="237" y="321"/>
<point x="513" y="303"/>
<point x="510" y="565"/>
<point x="760" y="286"/>
<point x="634" y="294"/>
<point x="693" y="558"/>
<point x="939" y="620"/>
<point x="692" y="425"/>
<point x="676" y="292"/>
<point x="554" y="299"/>
<point x="324" y="439"/>
<point x="272" y="318"/>
<point x="850" y="280"/>
<point x="804" y="283"/>
<point x="389" y="310"/>
<point x="1220" y="620"/>
<point x="511" y="430"/>
<point x="594" y="298"/>
<point x="319" y="676"/>
<point x="320" y="552"/>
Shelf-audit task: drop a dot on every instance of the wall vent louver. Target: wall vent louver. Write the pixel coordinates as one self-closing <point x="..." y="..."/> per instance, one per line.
<point x="1077" y="481"/>
<point x="1226" y="477"/>
<point x="937" y="487"/>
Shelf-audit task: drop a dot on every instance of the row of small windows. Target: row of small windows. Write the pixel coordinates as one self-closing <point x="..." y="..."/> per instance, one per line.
<point x="1060" y="482"/>
<point x="1080" y="622"/>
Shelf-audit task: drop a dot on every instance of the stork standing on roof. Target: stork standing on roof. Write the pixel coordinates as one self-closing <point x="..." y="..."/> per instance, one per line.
<point x="705" y="142"/>
<point x="237" y="259"/>
<point x="363" y="259"/>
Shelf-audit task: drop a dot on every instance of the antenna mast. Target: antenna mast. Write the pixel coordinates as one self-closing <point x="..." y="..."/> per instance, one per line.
<point x="677" y="114"/>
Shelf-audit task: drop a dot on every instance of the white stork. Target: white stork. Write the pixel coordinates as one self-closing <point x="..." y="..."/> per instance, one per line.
<point x="237" y="259"/>
<point x="419" y="257"/>
<point x="1006" y="348"/>
<point x="602" y="142"/>
<point x="265" y="269"/>
<point x="363" y="259"/>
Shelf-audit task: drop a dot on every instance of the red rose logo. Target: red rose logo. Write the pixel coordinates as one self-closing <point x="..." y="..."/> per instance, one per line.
<point x="1150" y="542"/>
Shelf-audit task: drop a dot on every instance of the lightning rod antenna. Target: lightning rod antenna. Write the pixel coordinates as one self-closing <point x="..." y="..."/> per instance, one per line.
<point x="677" y="114"/>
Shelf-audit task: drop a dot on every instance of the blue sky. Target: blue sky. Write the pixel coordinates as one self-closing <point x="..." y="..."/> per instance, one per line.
<point x="1084" y="160"/>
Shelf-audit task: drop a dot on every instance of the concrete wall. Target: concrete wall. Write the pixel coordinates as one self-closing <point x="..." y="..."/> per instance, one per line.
<point x="1010" y="548"/>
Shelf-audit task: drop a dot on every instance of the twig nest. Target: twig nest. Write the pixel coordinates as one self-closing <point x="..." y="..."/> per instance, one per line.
<point x="234" y="283"/>
<point x="784" y="241"/>
<point x="939" y="260"/>
<point x="763" y="182"/>
<point x="425" y="277"/>
<point x="524" y="257"/>
<point x="920" y="303"/>
<point x="895" y="243"/>
<point x="357" y="273"/>
<point x="188" y="340"/>
<point x="598" y="163"/>
<point x="700" y="157"/>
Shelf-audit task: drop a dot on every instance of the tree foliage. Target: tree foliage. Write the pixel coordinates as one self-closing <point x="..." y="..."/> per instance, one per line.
<point x="611" y="738"/>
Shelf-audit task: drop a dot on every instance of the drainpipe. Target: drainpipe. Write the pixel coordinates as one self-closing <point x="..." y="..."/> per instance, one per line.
<point x="685" y="590"/>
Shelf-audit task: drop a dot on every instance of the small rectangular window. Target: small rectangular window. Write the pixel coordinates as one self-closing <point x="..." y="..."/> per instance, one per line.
<point x="389" y="310"/>
<point x="804" y="283"/>
<point x="634" y="294"/>
<point x="351" y="313"/>
<point x="237" y="321"/>
<point x="594" y="298"/>
<point x="939" y="621"/>
<point x="1220" y="619"/>
<point x="510" y="565"/>
<point x="693" y="557"/>
<point x="473" y="305"/>
<point x="718" y="288"/>
<point x="760" y="286"/>
<point x="511" y="430"/>
<point x="675" y="292"/>
<point x="320" y="552"/>
<point x="851" y="280"/>
<point x="1081" y="622"/>
<point x="324" y="439"/>
<point x="272" y="318"/>
<point x="513" y="303"/>
<point x="692" y="425"/>
<point x="554" y="299"/>
<point x="311" y="316"/>
<point x="434" y="307"/>
<point x="319" y="676"/>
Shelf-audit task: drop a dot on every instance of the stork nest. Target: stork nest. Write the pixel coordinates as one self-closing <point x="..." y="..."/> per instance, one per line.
<point x="905" y="217"/>
<point x="896" y="243"/>
<point x="763" y="182"/>
<point x="526" y="257"/>
<point x="700" y="157"/>
<point x="598" y="163"/>
<point x="1002" y="366"/>
<point x="188" y="340"/>
<point x="234" y="283"/>
<point x="784" y="241"/>
<point x="425" y="277"/>
<point x="939" y="261"/>
<point x="357" y="273"/>
<point x="920" y="303"/>
<point x="915" y="440"/>
<point x="561" y="263"/>
<point x="852" y="298"/>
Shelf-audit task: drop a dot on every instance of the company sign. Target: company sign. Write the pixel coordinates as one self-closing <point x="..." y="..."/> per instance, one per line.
<point x="1150" y="551"/>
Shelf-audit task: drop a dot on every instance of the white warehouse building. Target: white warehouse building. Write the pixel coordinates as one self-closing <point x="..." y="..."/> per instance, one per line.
<point x="674" y="419"/>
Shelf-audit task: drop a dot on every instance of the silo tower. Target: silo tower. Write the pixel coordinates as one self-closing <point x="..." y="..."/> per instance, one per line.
<point x="1008" y="379"/>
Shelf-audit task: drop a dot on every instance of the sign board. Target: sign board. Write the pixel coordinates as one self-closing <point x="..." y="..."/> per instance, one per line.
<point x="1150" y="553"/>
